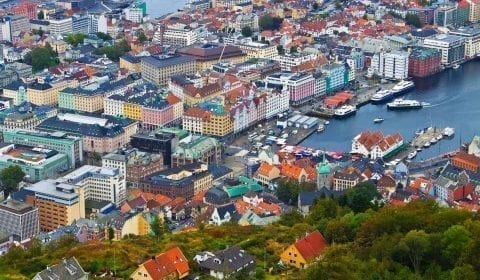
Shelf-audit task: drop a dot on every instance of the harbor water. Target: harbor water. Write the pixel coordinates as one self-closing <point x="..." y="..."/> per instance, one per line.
<point x="454" y="97"/>
<point x="158" y="8"/>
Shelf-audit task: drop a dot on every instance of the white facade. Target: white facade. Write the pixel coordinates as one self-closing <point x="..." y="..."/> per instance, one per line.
<point x="391" y="65"/>
<point x="277" y="102"/>
<point x="61" y="26"/>
<point x="193" y="124"/>
<point x="240" y="118"/>
<point x="113" y="107"/>
<point x="288" y="61"/>
<point x="134" y="14"/>
<point x="452" y="47"/>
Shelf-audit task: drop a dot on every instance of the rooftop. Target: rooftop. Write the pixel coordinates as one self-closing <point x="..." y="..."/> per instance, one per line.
<point x="160" y="62"/>
<point x="15" y="206"/>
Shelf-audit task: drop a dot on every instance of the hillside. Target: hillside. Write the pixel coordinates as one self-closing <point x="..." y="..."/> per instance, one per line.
<point x="416" y="241"/>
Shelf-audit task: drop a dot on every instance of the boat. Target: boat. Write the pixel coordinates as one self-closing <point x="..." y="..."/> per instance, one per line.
<point x="402" y="87"/>
<point x="405" y="104"/>
<point x="419" y="132"/>
<point x="378" y="120"/>
<point x="426" y="145"/>
<point x="456" y="66"/>
<point x="419" y="149"/>
<point x="382" y="96"/>
<point x="433" y="140"/>
<point x="448" y="132"/>
<point x="327" y="122"/>
<point x="321" y="128"/>
<point x="412" y="155"/>
<point x="439" y="137"/>
<point x="345" y="111"/>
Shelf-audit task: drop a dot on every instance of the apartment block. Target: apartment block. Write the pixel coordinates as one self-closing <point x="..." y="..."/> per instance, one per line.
<point x="158" y="70"/>
<point x="390" y="65"/>
<point x="19" y="219"/>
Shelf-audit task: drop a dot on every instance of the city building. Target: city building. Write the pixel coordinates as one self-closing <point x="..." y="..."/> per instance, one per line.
<point x="42" y="93"/>
<point x="452" y="47"/>
<point x="345" y="180"/>
<point x="134" y="163"/>
<point x="390" y="65"/>
<point x="207" y="55"/>
<point x="266" y="173"/>
<point x="134" y="14"/>
<point x="100" y="134"/>
<point x="474" y="15"/>
<point x="463" y="12"/>
<point x="423" y="62"/>
<point x="88" y="98"/>
<point x="471" y="35"/>
<point x="37" y="163"/>
<point x="183" y="181"/>
<point x="26" y="9"/>
<point x="13" y="25"/>
<point x="446" y="15"/>
<point x="336" y="77"/>
<point x="158" y="70"/>
<point x="179" y="35"/>
<point x="71" y="146"/>
<point x="425" y="14"/>
<point x="60" y="25"/>
<point x="159" y="142"/>
<point x="25" y="116"/>
<point x="300" y="86"/>
<point x="80" y="24"/>
<point x="171" y="264"/>
<point x="209" y="119"/>
<point x="19" y="219"/>
<point x="193" y="95"/>
<point x="375" y="144"/>
<point x="258" y="50"/>
<point x="243" y="20"/>
<point x="130" y="62"/>
<point x="290" y="61"/>
<point x="58" y="204"/>
<point x="305" y="250"/>
<point x="466" y="161"/>
<point x="197" y="149"/>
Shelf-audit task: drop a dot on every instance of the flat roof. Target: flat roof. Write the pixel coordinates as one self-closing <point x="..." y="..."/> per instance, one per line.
<point x="16" y="206"/>
<point x="161" y="62"/>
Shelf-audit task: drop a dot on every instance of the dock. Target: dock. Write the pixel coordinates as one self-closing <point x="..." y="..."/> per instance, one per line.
<point x="426" y="137"/>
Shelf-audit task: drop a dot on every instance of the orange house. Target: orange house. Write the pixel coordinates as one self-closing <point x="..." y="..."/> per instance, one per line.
<point x="170" y="265"/>
<point x="466" y="161"/>
<point x="304" y="251"/>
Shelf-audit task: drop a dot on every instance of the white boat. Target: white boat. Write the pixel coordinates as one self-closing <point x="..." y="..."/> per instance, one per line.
<point x="439" y="137"/>
<point x="448" y="131"/>
<point x="345" y="111"/>
<point x="404" y="104"/>
<point x="426" y="145"/>
<point x="320" y="128"/>
<point x="419" y="132"/>
<point x="419" y="149"/>
<point x="433" y="140"/>
<point x="456" y="66"/>
<point x="327" y="122"/>
<point x="412" y="155"/>
<point x="378" y="120"/>
<point x="382" y="96"/>
<point x="402" y="87"/>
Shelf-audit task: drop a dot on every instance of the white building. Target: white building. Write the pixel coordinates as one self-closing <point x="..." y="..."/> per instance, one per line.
<point x="391" y="65"/>
<point x="471" y="34"/>
<point x="60" y="25"/>
<point x="452" y="47"/>
<point x="258" y="50"/>
<point x="134" y="14"/>
<point x="222" y="214"/>
<point x="180" y="35"/>
<point x="320" y="84"/>
<point x="97" y="23"/>
<point x="277" y="102"/>
<point x="98" y="183"/>
<point x="193" y="121"/>
<point x="375" y="144"/>
<point x="288" y="61"/>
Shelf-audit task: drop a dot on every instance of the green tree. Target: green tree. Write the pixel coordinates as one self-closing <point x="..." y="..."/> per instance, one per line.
<point x="40" y="15"/>
<point x="104" y="36"/>
<point x="41" y="58"/>
<point x="75" y="39"/>
<point x="413" y="20"/>
<point x="315" y="6"/>
<point x="359" y="197"/>
<point x="280" y="50"/>
<point x="265" y="22"/>
<point x="287" y="191"/>
<point x="142" y="37"/>
<point x="11" y="177"/>
<point x="158" y="227"/>
<point x="114" y="52"/>
<point x="293" y="49"/>
<point x="464" y="272"/>
<point x="455" y="241"/>
<point x="416" y="245"/>
<point x="111" y="234"/>
<point x="247" y="31"/>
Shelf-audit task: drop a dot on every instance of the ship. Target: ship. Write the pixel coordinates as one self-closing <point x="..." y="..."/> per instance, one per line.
<point x="412" y="155"/>
<point x="382" y="96"/>
<point x="378" y="120"/>
<point x="448" y="132"/>
<point x="345" y="111"/>
<point x="405" y="104"/>
<point x="402" y="87"/>
<point x="321" y="128"/>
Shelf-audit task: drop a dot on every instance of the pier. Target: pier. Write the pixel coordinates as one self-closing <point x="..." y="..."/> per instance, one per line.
<point x="430" y="136"/>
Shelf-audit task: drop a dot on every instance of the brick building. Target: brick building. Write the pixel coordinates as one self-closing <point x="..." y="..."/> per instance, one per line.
<point x="424" y="62"/>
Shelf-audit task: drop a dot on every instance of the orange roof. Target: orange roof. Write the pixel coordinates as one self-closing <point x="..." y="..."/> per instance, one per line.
<point x="291" y="171"/>
<point x="311" y="246"/>
<point x="167" y="263"/>
<point x="173" y="99"/>
<point x="265" y="168"/>
<point x="368" y="139"/>
<point x="162" y="199"/>
<point x="196" y="112"/>
<point x="137" y="192"/>
<point x="467" y="158"/>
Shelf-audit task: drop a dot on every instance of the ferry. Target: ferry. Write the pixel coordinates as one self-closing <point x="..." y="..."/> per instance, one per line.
<point x="321" y="128"/>
<point x="378" y="120"/>
<point x="402" y="87"/>
<point x="382" y="96"/>
<point x="404" y="104"/>
<point x="345" y="111"/>
<point x="412" y="155"/>
<point x="448" y="132"/>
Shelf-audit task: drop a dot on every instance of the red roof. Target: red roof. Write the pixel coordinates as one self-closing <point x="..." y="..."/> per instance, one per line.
<point x="167" y="263"/>
<point x="311" y="246"/>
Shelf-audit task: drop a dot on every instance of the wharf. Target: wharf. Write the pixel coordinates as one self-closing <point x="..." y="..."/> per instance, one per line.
<point x="422" y="139"/>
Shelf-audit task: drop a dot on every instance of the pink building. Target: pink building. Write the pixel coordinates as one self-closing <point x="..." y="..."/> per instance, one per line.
<point x="152" y="118"/>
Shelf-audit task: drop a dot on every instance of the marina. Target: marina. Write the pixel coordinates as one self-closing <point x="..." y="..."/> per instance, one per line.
<point x="446" y="92"/>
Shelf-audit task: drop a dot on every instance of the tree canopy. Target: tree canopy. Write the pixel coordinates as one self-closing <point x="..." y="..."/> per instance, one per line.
<point x="247" y="31"/>
<point x="75" y="39"/>
<point x="11" y="177"/>
<point x="41" y="58"/>
<point x="267" y="22"/>
<point x="114" y="52"/>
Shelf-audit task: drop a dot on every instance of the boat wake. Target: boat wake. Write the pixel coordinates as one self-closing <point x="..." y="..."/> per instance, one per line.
<point x="443" y="102"/>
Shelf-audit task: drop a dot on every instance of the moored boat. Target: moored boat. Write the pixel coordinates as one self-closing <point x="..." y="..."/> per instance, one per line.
<point x="345" y="111"/>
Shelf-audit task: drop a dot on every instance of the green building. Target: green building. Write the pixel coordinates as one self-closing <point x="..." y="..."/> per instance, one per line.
<point x="336" y="76"/>
<point x="71" y="146"/>
<point x="323" y="174"/>
<point x="246" y="185"/>
<point x="37" y="163"/>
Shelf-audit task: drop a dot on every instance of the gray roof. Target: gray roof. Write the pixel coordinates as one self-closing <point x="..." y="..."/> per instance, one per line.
<point x="65" y="270"/>
<point x="166" y="61"/>
<point x="229" y="260"/>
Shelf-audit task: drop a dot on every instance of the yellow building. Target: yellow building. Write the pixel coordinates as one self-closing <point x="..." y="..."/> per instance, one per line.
<point x="132" y="111"/>
<point x="41" y="93"/>
<point x="130" y="62"/>
<point x="218" y="124"/>
<point x="304" y="251"/>
<point x="259" y="50"/>
<point x="193" y="95"/>
<point x="89" y="103"/>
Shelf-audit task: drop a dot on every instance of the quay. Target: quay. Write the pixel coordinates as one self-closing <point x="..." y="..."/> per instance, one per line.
<point x="427" y="138"/>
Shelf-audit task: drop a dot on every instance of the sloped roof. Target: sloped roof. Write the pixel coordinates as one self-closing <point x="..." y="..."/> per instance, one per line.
<point x="311" y="246"/>
<point x="167" y="263"/>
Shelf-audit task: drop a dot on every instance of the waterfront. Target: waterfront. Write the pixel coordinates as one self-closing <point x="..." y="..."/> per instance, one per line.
<point x="454" y="96"/>
<point x="158" y="8"/>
